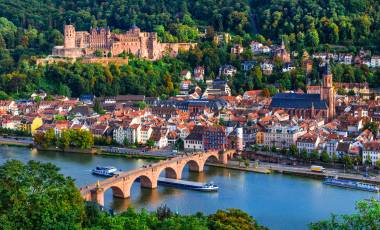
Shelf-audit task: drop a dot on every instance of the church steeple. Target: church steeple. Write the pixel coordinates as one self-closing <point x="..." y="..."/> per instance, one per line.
<point x="327" y="76"/>
<point x="327" y="90"/>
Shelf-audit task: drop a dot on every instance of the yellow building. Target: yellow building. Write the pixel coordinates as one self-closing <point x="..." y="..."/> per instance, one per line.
<point x="260" y="137"/>
<point x="30" y="124"/>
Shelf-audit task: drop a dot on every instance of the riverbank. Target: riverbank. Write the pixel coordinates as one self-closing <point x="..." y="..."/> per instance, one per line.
<point x="262" y="170"/>
<point x="14" y="142"/>
<point x="68" y="150"/>
<point x="132" y="156"/>
<point x="294" y="171"/>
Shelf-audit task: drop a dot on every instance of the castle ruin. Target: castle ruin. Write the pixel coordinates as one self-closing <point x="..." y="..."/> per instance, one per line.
<point x="141" y="44"/>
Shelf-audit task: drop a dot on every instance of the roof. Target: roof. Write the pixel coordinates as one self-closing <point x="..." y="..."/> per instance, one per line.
<point x="296" y="101"/>
<point x="343" y="147"/>
<point x="194" y="137"/>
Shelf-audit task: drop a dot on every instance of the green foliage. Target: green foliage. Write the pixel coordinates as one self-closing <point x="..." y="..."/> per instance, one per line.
<point x="150" y="143"/>
<point x="304" y="155"/>
<point x="293" y="150"/>
<point x="232" y="219"/>
<point x="372" y="126"/>
<point x="68" y="138"/>
<point x="141" y="105"/>
<point x="246" y="163"/>
<point x="377" y="165"/>
<point x="180" y="144"/>
<point x="98" y="107"/>
<point x="312" y="22"/>
<point x="325" y="157"/>
<point x="367" y="217"/>
<point x="36" y="196"/>
<point x="314" y="155"/>
<point x="14" y="132"/>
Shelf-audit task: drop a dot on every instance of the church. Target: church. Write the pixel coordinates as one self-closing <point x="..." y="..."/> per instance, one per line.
<point x="316" y="103"/>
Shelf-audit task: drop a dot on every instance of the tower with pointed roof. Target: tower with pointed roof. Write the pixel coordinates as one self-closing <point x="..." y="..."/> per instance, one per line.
<point x="327" y="91"/>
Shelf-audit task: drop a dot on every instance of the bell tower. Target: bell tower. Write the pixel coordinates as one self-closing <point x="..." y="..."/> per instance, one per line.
<point x="69" y="36"/>
<point x="328" y="92"/>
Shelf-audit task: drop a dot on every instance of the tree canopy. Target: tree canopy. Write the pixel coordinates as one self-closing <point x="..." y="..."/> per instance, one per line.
<point x="367" y="217"/>
<point x="36" y="196"/>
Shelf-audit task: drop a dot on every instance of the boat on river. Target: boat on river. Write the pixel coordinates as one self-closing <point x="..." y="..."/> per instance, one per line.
<point x="334" y="181"/>
<point x="203" y="187"/>
<point x="108" y="171"/>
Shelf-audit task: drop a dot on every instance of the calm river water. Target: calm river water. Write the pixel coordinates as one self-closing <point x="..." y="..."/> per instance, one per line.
<point x="277" y="201"/>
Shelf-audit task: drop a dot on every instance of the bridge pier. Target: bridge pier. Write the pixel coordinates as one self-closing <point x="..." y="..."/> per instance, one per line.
<point x="197" y="167"/>
<point x="97" y="196"/>
<point x="148" y="182"/>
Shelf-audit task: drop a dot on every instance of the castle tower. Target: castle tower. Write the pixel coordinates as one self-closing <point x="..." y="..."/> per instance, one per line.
<point x="328" y="91"/>
<point x="69" y="36"/>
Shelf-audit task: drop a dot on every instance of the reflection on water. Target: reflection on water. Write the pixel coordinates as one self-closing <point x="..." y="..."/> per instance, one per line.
<point x="277" y="201"/>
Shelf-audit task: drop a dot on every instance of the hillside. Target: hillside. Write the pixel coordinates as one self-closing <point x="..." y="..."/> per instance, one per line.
<point x="224" y="15"/>
<point x="313" y="22"/>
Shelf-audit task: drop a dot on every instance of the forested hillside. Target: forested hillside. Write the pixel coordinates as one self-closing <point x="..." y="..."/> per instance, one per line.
<point x="223" y="15"/>
<point x="313" y="22"/>
<point x="30" y="28"/>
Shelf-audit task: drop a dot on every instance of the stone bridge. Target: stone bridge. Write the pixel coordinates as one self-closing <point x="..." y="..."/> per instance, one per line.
<point x="121" y="184"/>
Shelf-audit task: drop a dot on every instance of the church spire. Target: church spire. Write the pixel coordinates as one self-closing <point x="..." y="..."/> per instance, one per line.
<point x="327" y="68"/>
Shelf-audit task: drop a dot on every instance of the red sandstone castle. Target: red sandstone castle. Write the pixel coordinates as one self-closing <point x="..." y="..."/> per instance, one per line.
<point x="141" y="44"/>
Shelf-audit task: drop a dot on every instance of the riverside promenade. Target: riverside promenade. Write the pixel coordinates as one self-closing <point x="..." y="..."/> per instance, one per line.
<point x="296" y="171"/>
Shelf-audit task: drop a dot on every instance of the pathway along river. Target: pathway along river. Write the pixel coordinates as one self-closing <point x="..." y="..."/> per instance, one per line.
<point x="277" y="201"/>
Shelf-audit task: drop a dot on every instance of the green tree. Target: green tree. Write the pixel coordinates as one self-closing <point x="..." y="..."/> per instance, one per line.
<point x="126" y="142"/>
<point x="377" y="165"/>
<point x="246" y="163"/>
<point x="325" y="157"/>
<point x="303" y="154"/>
<point x="150" y="143"/>
<point x="36" y="196"/>
<point x="367" y="217"/>
<point x="65" y="139"/>
<point x="372" y="126"/>
<point x="293" y="150"/>
<point x="314" y="155"/>
<point x="180" y="144"/>
<point x="232" y="219"/>
<point x="98" y="107"/>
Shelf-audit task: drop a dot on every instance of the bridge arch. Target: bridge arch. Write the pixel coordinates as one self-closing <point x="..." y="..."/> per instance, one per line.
<point x="170" y="172"/>
<point x="195" y="165"/>
<point x="145" y="181"/>
<point x="212" y="158"/>
<point x="117" y="191"/>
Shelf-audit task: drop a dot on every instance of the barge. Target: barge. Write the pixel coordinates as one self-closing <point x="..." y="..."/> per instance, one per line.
<point x="351" y="184"/>
<point x="203" y="187"/>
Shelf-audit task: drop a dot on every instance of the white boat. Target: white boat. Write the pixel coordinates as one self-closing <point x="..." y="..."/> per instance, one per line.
<point x="107" y="171"/>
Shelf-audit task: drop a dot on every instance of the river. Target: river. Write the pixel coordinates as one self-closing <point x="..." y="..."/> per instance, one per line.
<point x="277" y="201"/>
